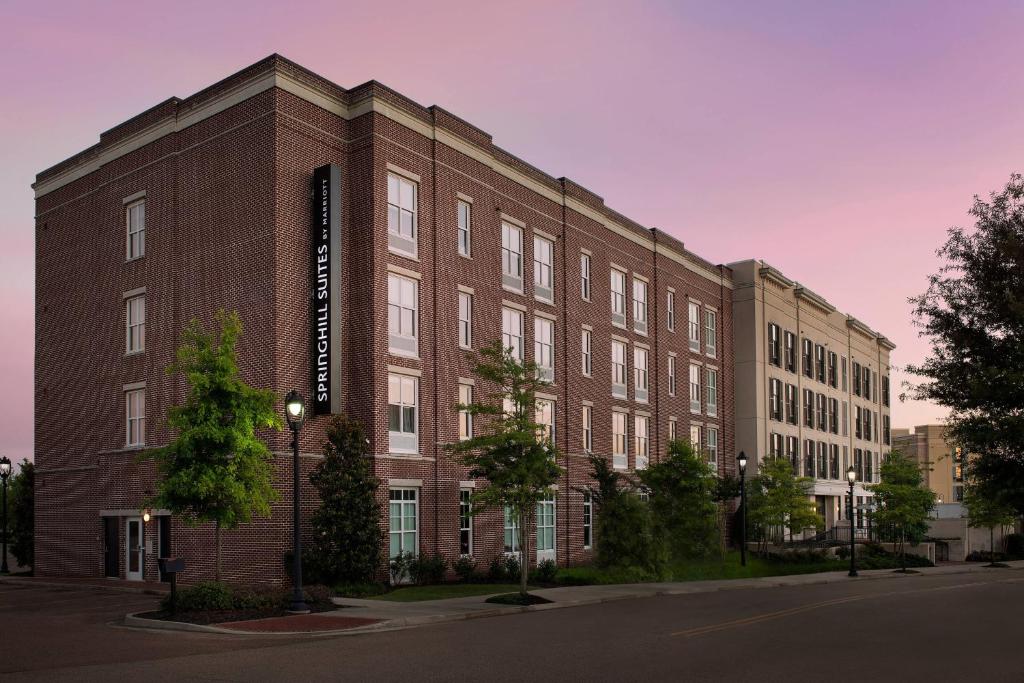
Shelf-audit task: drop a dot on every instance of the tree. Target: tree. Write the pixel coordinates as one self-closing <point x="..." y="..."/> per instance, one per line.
<point x="973" y="314"/>
<point x="987" y="510"/>
<point x="682" y="500"/>
<point x="23" y="514"/>
<point x="346" y="527"/>
<point x="778" y="499"/>
<point x="625" y="534"/>
<point x="509" y="448"/>
<point x="216" y="469"/>
<point x="904" y="503"/>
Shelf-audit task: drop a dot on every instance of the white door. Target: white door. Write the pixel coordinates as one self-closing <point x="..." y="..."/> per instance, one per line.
<point x="546" y="529"/>
<point x="134" y="548"/>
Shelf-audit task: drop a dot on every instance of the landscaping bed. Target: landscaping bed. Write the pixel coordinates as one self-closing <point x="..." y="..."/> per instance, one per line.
<point x="216" y="603"/>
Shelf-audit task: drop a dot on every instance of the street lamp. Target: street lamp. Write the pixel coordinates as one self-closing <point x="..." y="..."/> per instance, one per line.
<point x="5" y="472"/>
<point x="742" y="460"/>
<point x="851" y="474"/>
<point x="295" y="413"/>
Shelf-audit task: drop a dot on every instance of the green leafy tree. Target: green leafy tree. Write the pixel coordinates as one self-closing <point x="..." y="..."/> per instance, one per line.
<point x="346" y="527"/>
<point x="973" y="315"/>
<point x="216" y="469"/>
<point x="22" y="520"/>
<point x="625" y="535"/>
<point x="509" y="448"/>
<point x="987" y="510"/>
<point x="778" y="499"/>
<point x="682" y="490"/>
<point x="904" y="502"/>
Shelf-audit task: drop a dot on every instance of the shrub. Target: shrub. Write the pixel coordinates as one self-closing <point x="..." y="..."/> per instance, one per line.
<point x="512" y="567"/>
<point x="547" y="571"/>
<point x="1014" y="544"/>
<point x="208" y="595"/>
<point x="497" y="573"/>
<point x="873" y="556"/>
<point x="802" y="557"/>
<point x="986" y="556"/>
<point x="359" y="590"/>
<point x="465" y="569"/>
<point x="400" y="567"/>
<point x="427" y="569"/>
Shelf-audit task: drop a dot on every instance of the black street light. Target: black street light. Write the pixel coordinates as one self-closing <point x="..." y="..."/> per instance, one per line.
<point x="742" y="460"/>
<point x="5" y="472"/>
<point x="851" y="474"/>
<point x="295" y="412"/>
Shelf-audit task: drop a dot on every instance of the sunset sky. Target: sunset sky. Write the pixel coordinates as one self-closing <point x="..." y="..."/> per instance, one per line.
<point x="838" y="141"/>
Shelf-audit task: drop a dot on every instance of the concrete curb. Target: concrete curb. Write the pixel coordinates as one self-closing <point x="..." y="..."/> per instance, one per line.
<point x="24" y="581"/>
<point x="135" y="621"/>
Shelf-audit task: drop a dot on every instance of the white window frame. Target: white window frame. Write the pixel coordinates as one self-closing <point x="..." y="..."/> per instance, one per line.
<point x="465" y="320"/>
<point x="135" y="417"/>
<point x="511" y="318"/>
<point x="620" y="441"/>
<point x="544" y="347"/>
<point x="695" y="438"/>
<point x="588" y="520"/>
<point x="465" y="417"/>
<point x="618" y="300"/>
<point x="694" y="326"/>
<point x="619" y="369"/>
<point x="639" y="306"/>
<point x="543" y="269"/>
<point x="403" y="341"/>
<point x="671" y="375"/>
<point x="642" y="441"/>
<point x="135" y="323"/>
<point x="466" y="520"/>
<point x="586" y="352"/>
<point x="670" y="310"/>
<point x="403" y="440"/>
<point x="399" y="242"/>
<point x="695" y="389"/>
<point x="588" y="429"/>
<point x="711" y="445"/>
<point x="547" y="524"/>
<point x="511" y="257"/>
<point x="135" y="230"/>
<point x="711" y="332"/>
<point x="641" y="375"/>
<point x="544" y="415"/>
<point x="711" y="383"/>
<point x="585" y="264"/>
<point x="511" y="532"/>
<point x="673" y="429"/>
<point x="405" y="536"/>
<point x="465" y="228"/>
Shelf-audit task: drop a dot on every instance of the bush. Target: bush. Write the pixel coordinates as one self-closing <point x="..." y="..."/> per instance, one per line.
<point x="497" y="573"/>
<point x="359" y="590"/>
<point x="986" y="556"/>
<point x="400" y="566"/>
<point x="1014" y="544"/>
<point x="873" y="556"/>
<point x="465" y="569"/>
<point x="512" y="568"/>
<point x="427" y="569"/>
<point x="546" y="572"/>
<point x="802" y="557"/>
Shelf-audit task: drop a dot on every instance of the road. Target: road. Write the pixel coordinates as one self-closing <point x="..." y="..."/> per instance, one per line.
<point x="918" y="628"/>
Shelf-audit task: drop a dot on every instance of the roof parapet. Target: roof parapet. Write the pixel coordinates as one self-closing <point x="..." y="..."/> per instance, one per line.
<point x="772" y="273"/>
<point x="819" y="301"/>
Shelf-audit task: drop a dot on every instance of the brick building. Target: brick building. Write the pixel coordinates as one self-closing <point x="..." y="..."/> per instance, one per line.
<point x="205" y="203"/>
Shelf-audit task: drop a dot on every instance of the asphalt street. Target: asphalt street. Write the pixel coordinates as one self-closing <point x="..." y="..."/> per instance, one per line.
<point x="917" y="628"/>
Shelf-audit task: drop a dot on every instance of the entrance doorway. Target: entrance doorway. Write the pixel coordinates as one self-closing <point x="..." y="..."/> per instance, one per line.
<point x="111" y="546"/>
<point x="164" y="538"/>
<point x="135" y="550"/>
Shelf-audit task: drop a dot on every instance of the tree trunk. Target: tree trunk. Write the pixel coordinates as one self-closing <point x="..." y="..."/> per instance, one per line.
<point x="216" y="533"/>
<point x="524" y="553"/>
<point x="903" y="549"/>
<point x="992" y="546"/>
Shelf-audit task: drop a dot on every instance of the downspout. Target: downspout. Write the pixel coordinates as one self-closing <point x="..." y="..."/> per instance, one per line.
<point x="437" y="398"/>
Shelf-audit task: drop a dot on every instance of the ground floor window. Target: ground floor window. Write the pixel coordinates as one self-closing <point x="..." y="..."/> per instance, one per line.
<point x="465" y="522"/>
<point x="511" y="531"/>
<point x="588" y="517"/>
<point x="404" y="514"/>
<point x="546" y="525"/>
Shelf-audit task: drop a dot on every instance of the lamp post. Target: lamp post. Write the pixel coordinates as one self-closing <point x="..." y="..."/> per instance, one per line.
<point x="851" y="474"/>
<point x="5" y="472"/>
<point x="742" y="460"/>
<point x="295" y="412"/>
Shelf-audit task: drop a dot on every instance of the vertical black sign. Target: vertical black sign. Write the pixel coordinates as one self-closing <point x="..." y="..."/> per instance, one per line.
<point x="326" y="290"/>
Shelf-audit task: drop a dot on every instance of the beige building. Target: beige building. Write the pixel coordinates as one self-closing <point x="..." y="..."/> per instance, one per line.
<point x="940" y="462"/>
<point x="812" y="385"/>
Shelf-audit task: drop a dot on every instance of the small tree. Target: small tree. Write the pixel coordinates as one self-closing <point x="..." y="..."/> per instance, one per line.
<point x="346" y="527"/>
<point x="509" y="449"/>
<point x="904" y="503"/>
<point x="216" y="469"/>
<point x="779" y="499"/>
<point x="987" y="510"/>
<point x="682" y="489"/>
<point x="22" y="531"/>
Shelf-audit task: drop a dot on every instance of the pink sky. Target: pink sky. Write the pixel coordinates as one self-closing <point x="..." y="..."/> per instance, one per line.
<point x="837" y="141"/>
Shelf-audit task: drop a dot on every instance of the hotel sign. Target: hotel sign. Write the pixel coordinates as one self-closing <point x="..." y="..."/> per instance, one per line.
<point x="326" y="314"/>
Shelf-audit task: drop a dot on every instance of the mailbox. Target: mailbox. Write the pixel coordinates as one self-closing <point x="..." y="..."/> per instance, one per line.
<point x="172" y="566"/>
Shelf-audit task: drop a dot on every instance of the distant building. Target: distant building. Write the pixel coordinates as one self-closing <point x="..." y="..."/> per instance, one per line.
<point x="941" y="463"/>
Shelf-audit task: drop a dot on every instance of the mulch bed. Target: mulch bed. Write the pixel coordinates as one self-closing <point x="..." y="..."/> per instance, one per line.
<point x="209" y="617"/>
<point x="517" y="599"/>
<point x="307" y="623"/>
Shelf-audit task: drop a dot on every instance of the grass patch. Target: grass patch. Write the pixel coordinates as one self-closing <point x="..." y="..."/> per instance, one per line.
<point x="517" y="599"/>
<point x="444" y="591"/>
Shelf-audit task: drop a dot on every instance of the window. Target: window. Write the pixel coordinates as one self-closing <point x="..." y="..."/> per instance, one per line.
<point x="670" y="311"/>
<point x="585" y="352"/>
<point x="639" y="306"/>
<point x="808" y="358"/>
<point x="585" y="276"/>
<point x="694" y="388"/>
<point x="588" y="429"/>
<point x="809" y="408"/>
<point x="618" y="298"/>
<point x="403" y="405"/>
<point x="641" y="441"/>
<point x="403" y="510"/>
<point x="819" y="362"/>
<point x="792" y="453"/>
<point x="842" y="366"/>
<point x="833" y="415"/>
<point x="465" y="522"/>
<point x="512" y="331"/>
<point x="712" y="393"/>
<point x="886" y="431"/>
<point x="135" y="217"/>
<point x="672" y="429"/>
<point x="403" y="304"/>
<point x="858" y="463"/>
<point x="774" y="444"/>
<point x="588" y="520"/>
<point x="867" y="425"/>
<point x="511" y="531"/>
<point x="790" y="351"/>
<point x="465" y="216"/>
<point x="711" y="333"/>
<point x="544" y="416"/>
<point x="135" y="417"/>
<point x="695" y="437"/>
<point x="868" y="461"/>
<point x="833" y="360"/>
<point x="808" y="458"/>
<point x="465" y="417"/>
<point x="822" y="460"/>
<point x="867" y="383"/>
<point x="465" y="320"/>
<point x="543" y="272"/>
<point x="773" y="344"/>
<point x="856" y="378"/>
<point x="135" y="321"/>
<point x="846" y="418"/>
<point x="640" y="374"/>
<point x="618" y="369"/>
<point x="712" y="446"/>
<point x="857" y="420"/>
<point x="546" y="526"/>
<point x="512" y="257"/>
<point x="885" y="390"/>
<point x="822" y="413"/>
<point x="544" y="348"/>
<point x="792" y="409"/>
<point x="694" y="326"/>
<point x="401" y="215"/>
<point x="833" y="459"/>
<point x="620" y="457"/>
<point x="774" y="399"/>
<point x="671" y="375"/>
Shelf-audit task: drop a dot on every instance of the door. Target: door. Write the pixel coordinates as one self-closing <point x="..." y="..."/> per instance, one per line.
<point x="546" y="529"/>
<point x="134" y="549"/>
<point x="164" y="538"/>
<point x="111" y="545"/>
